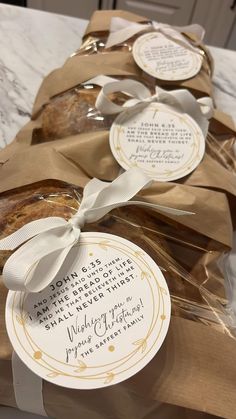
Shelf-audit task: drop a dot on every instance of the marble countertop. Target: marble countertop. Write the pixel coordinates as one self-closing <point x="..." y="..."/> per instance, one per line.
<point x="32" y="43"/>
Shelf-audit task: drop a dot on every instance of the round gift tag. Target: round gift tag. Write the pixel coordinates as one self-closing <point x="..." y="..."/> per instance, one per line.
<point x="165" y="59"/>
<point x="164" y="143"/>
<point x="101" y="320"/>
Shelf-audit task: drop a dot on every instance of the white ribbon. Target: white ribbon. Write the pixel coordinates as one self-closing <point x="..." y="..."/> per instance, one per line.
<point x="181" y="100"/>
<point x="28" y="388"/>
<point x="100" y="80"/>
<point x="122" y="29"/>
<point x="48" y="241"/>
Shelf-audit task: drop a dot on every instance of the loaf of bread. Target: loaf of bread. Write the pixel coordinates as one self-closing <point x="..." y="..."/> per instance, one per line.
<point x="73" y="112"/>
<point x="39" y="200"/>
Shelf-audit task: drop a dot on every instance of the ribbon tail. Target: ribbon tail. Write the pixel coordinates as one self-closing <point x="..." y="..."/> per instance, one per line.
<point x="195" y="29"/>
<point x="47" y="269"/>
<point x="95" y="214"/>
<point x="131" y="87"/>
<point x="122" y="29"/>
<point x="120" y="36"/>
<point x="179" y="39"/>
<point x="206" y="106"/>
<point x="125" y="187"/>
<point x="99" y="196"/>
<point x="161" y="208"/>
<point x="51" y="246"/>
<point x="100" y="80"/>
<point x="91" y="190"/>
<point x="200" y="110"/>
<point x="30" y="230"/>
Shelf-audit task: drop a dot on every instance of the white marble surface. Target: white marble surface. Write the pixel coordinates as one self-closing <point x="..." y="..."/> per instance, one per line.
<point x="32" y="43"/>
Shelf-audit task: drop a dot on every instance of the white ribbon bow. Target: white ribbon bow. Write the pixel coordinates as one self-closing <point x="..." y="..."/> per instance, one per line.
<point x="122" y="29"/>
<point x="181" y="100"/>
<point x="48" y="241"/>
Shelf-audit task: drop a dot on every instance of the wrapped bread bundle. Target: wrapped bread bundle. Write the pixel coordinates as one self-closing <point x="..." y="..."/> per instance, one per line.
<point x="187" y="250"/>
<point x="166" y="240"/>
<point x="96" y="40"/>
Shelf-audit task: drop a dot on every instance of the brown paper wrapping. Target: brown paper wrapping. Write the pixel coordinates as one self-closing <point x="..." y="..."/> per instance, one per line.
<point x="93" y="157"/>
<point x="64" y="160"/>
<point x="77" y="70"/>
<point x="172" y="383"/>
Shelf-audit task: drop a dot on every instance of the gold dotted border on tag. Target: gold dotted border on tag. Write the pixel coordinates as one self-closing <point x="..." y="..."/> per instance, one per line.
<point x="109" y="376"/>
<point x="180" y="172"/>
<point x="192" y="71"/>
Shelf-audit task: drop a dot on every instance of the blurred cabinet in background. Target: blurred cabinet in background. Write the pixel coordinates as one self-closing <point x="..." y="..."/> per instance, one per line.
<point x="174" y="12"/>
<point x="75" y="8"/>
<point x="216" y="16"/>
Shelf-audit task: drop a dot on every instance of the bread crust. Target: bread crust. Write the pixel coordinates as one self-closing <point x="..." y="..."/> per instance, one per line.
<point x="43" y="199"/>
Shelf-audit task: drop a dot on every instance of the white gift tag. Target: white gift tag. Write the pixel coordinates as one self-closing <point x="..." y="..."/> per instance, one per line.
<point x="101" y="320"/>
<point x="165" y="144"/>
<point x="165" y="59"/>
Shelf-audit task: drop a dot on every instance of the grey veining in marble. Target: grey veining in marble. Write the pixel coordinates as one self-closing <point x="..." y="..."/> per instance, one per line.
<point x="32" y="43"/>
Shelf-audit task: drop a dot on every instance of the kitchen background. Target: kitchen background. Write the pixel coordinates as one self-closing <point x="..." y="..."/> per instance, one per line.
<point x="216" y="16"/>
